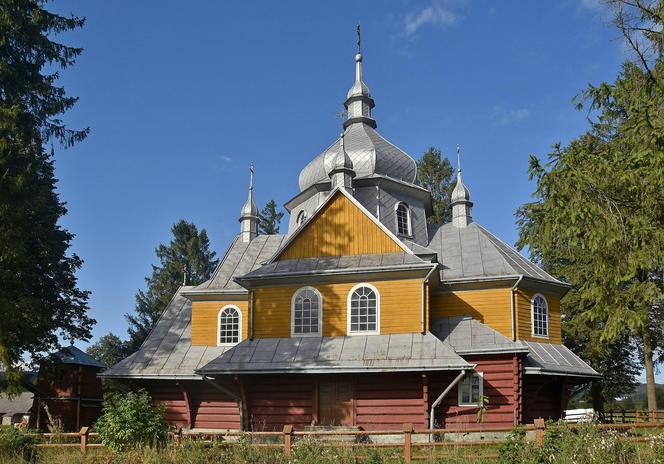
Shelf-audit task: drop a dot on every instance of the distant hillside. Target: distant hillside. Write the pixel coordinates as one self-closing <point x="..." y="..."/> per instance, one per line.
<point x="639" y="400"/>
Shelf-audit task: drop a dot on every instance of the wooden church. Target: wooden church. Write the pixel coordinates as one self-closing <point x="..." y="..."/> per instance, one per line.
<point x="363" y="314"/>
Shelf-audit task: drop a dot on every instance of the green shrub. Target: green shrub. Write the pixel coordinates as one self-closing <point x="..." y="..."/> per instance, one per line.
<point x="130" y="420"/>
<point x="14" y="443"/>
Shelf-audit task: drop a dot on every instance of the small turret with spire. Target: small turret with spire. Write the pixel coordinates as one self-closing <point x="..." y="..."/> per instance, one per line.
<point x="358" y="101"/>
<point x="249" y="213"/>
<point x="342" y="173"/>
<point x="461" y="204"/>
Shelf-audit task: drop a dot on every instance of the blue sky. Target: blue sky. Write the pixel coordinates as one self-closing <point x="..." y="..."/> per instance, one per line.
<point x="180" y="97"/>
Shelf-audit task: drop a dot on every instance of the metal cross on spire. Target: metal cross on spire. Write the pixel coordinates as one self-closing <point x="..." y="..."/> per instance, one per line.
<point x="358" y="37"/>
<point x="458" y="158"/>
<point x="251" y="176"/>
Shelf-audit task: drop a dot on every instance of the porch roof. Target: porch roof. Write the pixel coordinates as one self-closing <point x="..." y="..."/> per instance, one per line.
<point x="359" y="353"/>
<point x="554" y="359"/>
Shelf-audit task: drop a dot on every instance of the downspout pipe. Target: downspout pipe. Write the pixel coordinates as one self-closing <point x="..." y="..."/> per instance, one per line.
<point x="512" y="306"/>
<point x="444" y="394"/>
<point x="251" y="314"/>
<point x="210" y="380"/>
<point x="425" y="282"/>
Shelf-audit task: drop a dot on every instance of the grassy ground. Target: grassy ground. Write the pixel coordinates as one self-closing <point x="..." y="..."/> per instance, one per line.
<point x="561" y="446"/>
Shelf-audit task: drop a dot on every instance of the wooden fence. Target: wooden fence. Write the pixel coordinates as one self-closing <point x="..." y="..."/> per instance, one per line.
<point x="618" y="417"/>
<point x="360" y="439"/>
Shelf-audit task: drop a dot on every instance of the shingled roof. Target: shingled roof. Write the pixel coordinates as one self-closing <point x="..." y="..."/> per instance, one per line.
<point x="472" y="253"/>
<point x="470" y="336"/>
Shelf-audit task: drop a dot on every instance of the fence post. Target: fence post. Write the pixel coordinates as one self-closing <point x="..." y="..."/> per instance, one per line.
<point x="288" y="441"/>
<point x="539" y="431"/>
<point x="637" y="416"/>
<point x="611" y="416"/>
<point x="624" y="419"/>
<point x="84" y="439"/>
<point x="407" y="442"/>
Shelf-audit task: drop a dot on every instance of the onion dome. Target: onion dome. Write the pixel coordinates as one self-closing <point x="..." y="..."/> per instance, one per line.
<point x="342" y="173"/>
<point x="369" y="152"/>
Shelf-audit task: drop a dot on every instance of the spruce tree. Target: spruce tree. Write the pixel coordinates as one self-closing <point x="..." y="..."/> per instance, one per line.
<point x="186" y="257"/>
<point x="109" y="349"/>
<point x="435" y="173"/>
<point x="598" y="218"/>
<point x="40" y="302"/>
<point x="269" y="219"/>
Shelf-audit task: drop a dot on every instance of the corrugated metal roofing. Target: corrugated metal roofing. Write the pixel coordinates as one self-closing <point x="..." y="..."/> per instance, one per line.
<point x="473" y="252"/>
<point x="549" y="358"/>
<point x="362" y="353"/>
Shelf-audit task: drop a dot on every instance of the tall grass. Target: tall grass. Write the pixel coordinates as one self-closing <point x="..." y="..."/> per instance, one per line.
<point x="562" y="445"/>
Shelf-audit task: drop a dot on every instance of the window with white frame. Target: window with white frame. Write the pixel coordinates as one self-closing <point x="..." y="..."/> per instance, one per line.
<point x="363" y="309"/>
<point x="306" y="312"/>
<point x="403" y="219"/>
<point x="471" y="389"/>
<point x="230" y="326"/>
<point x="540" y="316"/>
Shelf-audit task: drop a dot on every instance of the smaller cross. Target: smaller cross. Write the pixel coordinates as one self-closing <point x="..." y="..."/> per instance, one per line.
<point x="358" y="37"/>
<point x="184" y="275"/>
<point x="251" y="176"/>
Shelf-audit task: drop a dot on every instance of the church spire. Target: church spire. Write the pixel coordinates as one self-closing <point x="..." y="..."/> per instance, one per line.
<point x="461" y="204"/>
<point x="358" y="101"/>
<point x="342" y="172"/>
<point x="249" y="213"/>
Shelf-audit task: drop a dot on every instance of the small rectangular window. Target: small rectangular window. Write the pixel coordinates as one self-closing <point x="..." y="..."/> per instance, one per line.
<point x="471" y="389"/>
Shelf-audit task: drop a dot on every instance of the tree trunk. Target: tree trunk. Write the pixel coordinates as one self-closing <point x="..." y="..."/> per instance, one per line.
<point x="650" y="370"/>
<point x="597" y="396"/>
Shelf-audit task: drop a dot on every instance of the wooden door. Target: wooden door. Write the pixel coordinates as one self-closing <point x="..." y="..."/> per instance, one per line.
<point x="335" y="403"/>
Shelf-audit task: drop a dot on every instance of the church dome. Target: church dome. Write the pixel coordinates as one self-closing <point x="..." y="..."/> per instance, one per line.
<point x="369" y="152"/>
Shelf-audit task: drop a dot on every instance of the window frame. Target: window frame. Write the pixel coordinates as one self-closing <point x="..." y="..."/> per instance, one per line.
<point x="532" y="316"/>
<point x="300" y="218"/>
<point x="239" y="331"/>
<point x="320" y="313"/>
<point x="409" y="225"/>
<point x="349" y="299"/>
<point x="460" y="403"/>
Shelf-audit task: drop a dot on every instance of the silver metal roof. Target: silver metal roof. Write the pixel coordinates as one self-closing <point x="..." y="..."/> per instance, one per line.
<point x="167" y="351"/>
<point x="240" y="259"/>
<point x="337" y="265"/>
<point x="470" y="336"/>
<point x="474" y="252"/>
<point x="370" y="154"/>
<point x="362" y="353"/>
<point x="553" y="359"/>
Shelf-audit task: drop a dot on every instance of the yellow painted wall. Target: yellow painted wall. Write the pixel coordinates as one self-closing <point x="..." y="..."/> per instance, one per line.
<point x="204" y="323"/>
<point x="491" y="306"/>
<point x="340" y="229"/>
<point x="400" y="308"/>
<point x="524" y="323"/>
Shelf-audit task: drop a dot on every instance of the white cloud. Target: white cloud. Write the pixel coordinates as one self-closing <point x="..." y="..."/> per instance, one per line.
<point x="502" y="117"/>
<point x="227" y="159"/>
<point x="435" y="15"/>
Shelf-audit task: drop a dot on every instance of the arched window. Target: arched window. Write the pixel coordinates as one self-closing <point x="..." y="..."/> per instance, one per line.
<point x="403" y="219"/>
<point x="306" y="311"/>
<point x="540" y="316"/>
<point x="230" y="326"/>
<point x="363" y="310"/>
<point x="301" y="217"/>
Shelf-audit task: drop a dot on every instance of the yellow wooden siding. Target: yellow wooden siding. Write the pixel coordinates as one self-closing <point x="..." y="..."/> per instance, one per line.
<point x="400" y="308"/>
<point x="340" y="229"/>
<point x="491" y="306"/>
<point x="204" y="322"/>
<point x="524" y="323"/>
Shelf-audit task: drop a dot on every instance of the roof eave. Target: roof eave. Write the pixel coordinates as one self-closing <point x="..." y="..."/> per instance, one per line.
<point x="545" y="371"/>
<point x="337" y="370"/>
